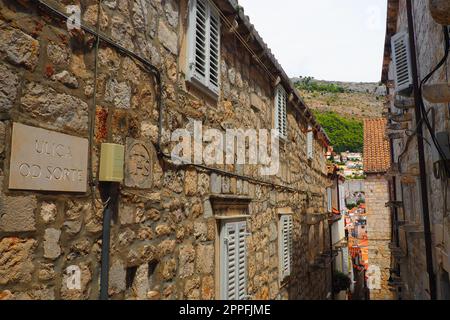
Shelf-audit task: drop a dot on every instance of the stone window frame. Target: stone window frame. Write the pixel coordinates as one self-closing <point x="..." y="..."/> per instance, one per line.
<point x="228" y="209"/>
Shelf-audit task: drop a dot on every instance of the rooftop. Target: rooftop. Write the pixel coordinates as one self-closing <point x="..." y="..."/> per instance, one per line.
<point x="377" y="154"/>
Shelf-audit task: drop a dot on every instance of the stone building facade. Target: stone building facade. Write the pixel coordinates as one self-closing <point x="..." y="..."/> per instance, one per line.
<point x="169" y="226"/>
<point x="410" y="277"/>
<point x="376" y="188"/>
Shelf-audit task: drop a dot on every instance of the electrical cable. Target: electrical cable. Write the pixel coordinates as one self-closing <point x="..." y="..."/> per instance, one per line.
<point x="422" y="103"/>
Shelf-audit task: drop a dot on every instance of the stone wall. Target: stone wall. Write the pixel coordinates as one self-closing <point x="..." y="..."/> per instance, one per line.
<point x="379" y="233"/>
<point x="163" y="239"/>
<point x="413" y="271"/>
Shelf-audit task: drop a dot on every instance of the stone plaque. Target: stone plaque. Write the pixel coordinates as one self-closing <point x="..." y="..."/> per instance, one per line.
<point x="47" y="160"/>
<point x="139" y="157"/>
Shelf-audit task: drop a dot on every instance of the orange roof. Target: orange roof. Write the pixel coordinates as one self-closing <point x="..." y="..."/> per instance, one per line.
<point x="377" y="152"/>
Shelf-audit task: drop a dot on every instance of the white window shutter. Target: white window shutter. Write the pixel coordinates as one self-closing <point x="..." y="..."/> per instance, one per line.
<point x="242" y="261"/>
<point x="214" y="51"/>
<point x="204" y="45"/>
<point x="280" y="112"/>
<point x="401" y="56"/>
<point x="310" y="143"/>
<point x="330" y="199"/>
<point x="234" y="261"/>
<point x="286" y="229"/>
<point x="198" y="41"/>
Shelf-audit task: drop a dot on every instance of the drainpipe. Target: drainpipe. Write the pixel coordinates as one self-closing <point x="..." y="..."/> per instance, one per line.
<point x="422" y="164"/>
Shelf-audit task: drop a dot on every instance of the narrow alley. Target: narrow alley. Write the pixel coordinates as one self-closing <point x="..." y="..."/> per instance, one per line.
<point x="159" y="150"/>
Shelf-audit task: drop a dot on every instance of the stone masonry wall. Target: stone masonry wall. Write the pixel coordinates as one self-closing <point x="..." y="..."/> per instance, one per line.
<point x="162" y="239"/>
<point x="379" y="233"/>
<point x="430" y="50"/>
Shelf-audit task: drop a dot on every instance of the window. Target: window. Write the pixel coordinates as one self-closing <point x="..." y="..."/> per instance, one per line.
<point x="233" y="261"/>
<point x="285" y="245"/>
<point x="329" y="200"/>
<point x="309" y="143"/>
<point x="280" y="112"/>
<point x="401" y="57"/>
<point x="204" y="45"/>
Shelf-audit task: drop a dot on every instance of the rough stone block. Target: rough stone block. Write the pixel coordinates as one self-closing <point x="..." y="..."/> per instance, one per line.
<point x="19" y="47"/>
<point x="52" y="250"/>
<point x="16" y="260"/>
<point x="17" y="213"/>
<point x="9" y="83"/>
<point x="63" y="110"/>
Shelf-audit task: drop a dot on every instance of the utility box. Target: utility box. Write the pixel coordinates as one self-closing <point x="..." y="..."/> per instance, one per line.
<point x="111" y="162"/>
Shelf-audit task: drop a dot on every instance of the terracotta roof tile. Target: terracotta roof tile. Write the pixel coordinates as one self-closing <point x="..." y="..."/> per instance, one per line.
<point x="377" y="152"/>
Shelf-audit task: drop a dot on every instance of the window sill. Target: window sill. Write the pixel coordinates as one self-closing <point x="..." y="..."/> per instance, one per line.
<point x="192" y="83"/>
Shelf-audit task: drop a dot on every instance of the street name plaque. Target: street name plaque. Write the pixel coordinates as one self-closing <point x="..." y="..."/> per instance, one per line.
<point x="45" y="160"/>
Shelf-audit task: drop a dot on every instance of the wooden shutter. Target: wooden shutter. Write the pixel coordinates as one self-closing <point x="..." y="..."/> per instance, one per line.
<point x="310" y="143"/>
<point x="280" y="112"/>
<point x="330" y="199"/>
<point x="286" y="228"/>
<point x="401" y="57"/>
<point x="214" y="51"/>
<point x="204" y="45"/>
<point x="234" y="261"/>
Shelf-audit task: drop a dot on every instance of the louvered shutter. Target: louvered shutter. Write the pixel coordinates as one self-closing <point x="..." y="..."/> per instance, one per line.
<point x="401" y="56"/>
<point x="286" y="228"/>
<point x="214" y="51"/>
<point x="204" y="45"/>
<point x="280" y="112"/>
<point x="309" y="143"/>
<point x="329" y="199"/>
<point x="234" y="261"/>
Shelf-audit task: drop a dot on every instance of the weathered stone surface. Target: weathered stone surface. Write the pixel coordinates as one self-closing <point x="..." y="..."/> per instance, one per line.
<point x="205" y="258"/>
<point x="19" y="48"/>
<point x="200" y="231"/>
<point x="48" y="212"/>
<point x="58" y="54"/>
<point x="66" y="78"/>
<point x="52" y="250"/>
<point x="16" y="260"/>
<point x="190" y="182"/>
<point x="168" y="269"/>
<point x="141" y="255"/>
<point x="168" y="37"/>
<point x="122" y="32"/>
<point x="163" y="229"/>
<point x="9" y="83"/>
<point x="119" y="93"/>
<point x="192" y="288"/>
<point x="46" y="271"/>
<point x="171" y="11"/>
<point x="117" y="278"/>
<point x="186" y="261"/>
<point x="166" y="247"/>
<point x="126" y="238"/>
<point x="17" y="212"/>
<point x="216" y="183"/>
<point x="208" y="288"/>
<point x="90" y="16"/>
<point x="65" y="111"/>
<point x="2" y="136"/>
<point x="140" y="284"/>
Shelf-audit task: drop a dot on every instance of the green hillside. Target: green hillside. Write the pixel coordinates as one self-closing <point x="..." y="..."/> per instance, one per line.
<point x="346" y="134"/>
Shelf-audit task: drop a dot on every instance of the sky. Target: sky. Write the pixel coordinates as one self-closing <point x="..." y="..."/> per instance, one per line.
<point x="340" y="40"/>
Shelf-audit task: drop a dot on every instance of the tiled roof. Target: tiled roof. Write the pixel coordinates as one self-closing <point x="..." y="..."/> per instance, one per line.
<point x="377" y="152"/>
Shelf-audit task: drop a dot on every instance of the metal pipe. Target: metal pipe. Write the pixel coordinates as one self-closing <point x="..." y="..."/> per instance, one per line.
<point x="422" y="164"/>
<point x="106" y="237"/>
